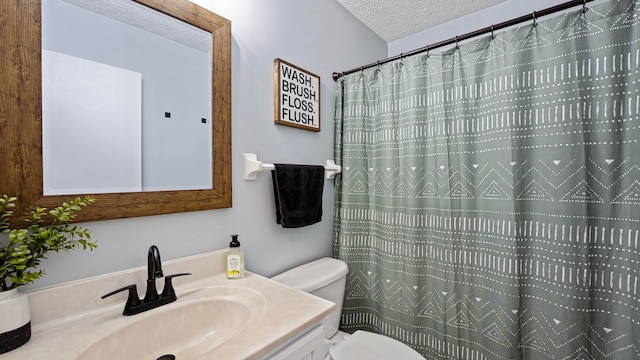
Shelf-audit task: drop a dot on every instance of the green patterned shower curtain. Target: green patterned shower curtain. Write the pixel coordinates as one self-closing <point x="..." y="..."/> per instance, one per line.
<point x="489" y="205"/>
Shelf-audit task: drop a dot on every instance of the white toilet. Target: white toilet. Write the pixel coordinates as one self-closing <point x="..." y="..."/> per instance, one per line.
<point x="326" y="278"/>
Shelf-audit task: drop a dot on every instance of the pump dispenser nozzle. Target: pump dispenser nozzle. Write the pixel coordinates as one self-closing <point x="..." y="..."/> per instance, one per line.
<point x="234" y="241"/>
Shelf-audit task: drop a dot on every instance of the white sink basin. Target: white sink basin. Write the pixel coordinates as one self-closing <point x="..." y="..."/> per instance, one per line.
<point x="197" y="323"/>
<point x="255" y="315"/>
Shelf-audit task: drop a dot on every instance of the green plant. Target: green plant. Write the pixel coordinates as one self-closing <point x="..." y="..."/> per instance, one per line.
<point x="22" y="252"/>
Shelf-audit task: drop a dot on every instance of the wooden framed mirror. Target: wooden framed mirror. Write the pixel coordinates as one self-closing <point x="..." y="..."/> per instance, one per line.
<point x="21" y="160"/>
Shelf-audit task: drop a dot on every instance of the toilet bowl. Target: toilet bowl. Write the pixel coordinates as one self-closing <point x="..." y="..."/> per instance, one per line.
<point x="326" y="278"/>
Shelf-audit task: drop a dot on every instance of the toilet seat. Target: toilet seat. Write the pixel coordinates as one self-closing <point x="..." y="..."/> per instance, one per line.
<point x="370" y="346"/>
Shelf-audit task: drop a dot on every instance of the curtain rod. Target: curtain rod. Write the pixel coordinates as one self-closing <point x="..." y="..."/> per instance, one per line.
<point x="454" y="40"/>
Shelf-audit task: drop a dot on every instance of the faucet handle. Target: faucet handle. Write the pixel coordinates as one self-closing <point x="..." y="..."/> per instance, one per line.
<point x="168" y="286"/>
<point x="132" y="300"/>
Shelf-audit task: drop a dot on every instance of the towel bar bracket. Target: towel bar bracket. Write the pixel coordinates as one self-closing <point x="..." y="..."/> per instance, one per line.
<point x="252" y="166"/>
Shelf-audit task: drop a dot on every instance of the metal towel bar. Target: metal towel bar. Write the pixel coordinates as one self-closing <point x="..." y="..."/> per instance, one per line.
<point x="252" y="167"/>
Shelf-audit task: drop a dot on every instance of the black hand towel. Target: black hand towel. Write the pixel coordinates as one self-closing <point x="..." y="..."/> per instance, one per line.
<point x="298" y="194"/>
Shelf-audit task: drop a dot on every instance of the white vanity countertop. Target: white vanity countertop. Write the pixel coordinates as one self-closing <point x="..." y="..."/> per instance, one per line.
<point x="68" y="318"/>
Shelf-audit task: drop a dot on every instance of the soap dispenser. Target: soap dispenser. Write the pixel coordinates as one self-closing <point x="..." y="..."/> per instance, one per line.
<point x="235" y="259"/>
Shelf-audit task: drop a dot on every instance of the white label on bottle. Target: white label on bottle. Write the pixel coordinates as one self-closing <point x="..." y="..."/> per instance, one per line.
<point x="233" y="265"/>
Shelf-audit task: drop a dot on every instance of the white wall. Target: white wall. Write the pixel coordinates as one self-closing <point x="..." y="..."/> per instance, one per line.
<point x="110" y="114"/>
<point x="319" y="36"/>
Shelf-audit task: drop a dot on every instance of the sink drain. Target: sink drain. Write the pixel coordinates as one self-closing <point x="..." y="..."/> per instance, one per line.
<point x="167" y="357"/>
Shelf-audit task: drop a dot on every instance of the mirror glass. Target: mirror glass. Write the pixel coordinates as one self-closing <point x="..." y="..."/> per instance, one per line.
<point x="129" y="86"/>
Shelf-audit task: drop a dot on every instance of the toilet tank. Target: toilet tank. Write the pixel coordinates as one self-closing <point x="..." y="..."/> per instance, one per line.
<point x="325" y="278"/>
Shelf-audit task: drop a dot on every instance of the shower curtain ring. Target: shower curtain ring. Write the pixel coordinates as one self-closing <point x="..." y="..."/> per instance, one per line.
<point x="457" y="44"/>
<point x="493" y="36"/>
<point x="535" y="21"/>
<point x="584" y="6"/>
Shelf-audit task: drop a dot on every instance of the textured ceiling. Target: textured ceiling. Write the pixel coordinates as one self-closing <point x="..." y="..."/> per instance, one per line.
<point x="145" y="18"/>
<point x="395" y="19"/>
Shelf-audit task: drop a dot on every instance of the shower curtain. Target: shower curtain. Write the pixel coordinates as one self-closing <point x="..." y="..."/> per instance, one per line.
<point x="489" y="204"/>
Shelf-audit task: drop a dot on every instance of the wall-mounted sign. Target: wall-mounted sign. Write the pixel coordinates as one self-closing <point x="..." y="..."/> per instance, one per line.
<point x="296" y="96"/>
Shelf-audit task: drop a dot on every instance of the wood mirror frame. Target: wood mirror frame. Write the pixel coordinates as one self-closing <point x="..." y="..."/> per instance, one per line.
<point x="21" y="173"/>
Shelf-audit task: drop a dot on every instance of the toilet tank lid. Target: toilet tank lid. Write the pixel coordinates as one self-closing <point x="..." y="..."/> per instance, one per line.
<point x="314" y="275"/>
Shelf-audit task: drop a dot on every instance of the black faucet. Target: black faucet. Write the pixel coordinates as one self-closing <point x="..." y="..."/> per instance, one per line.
<point x="151" y="298"/>
<point x="154" y="271"/>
